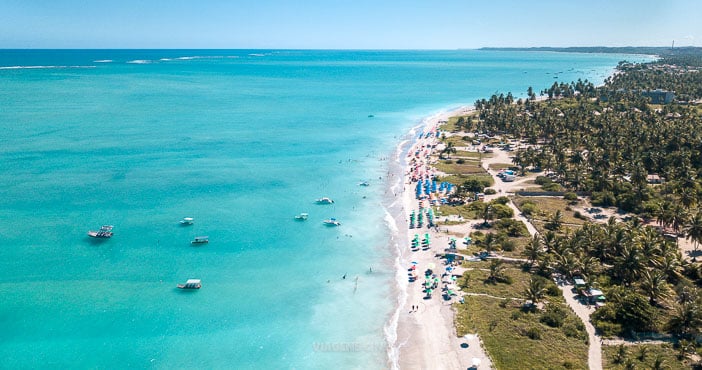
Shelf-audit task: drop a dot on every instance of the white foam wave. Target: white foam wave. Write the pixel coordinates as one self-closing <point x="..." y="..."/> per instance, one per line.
<point x="257" y="55"/>
<point x="390" y="328"/>
<point x="103" y="61"/>
<point x="44" y="67"/>
<point x="139" y="61"/>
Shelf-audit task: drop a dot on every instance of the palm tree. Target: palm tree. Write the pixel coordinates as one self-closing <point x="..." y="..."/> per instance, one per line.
<point x="628" y="266"/>
<point x="536" y="289"/>
<point x="680" y="217"/>
<point x="556" y="221"/>
<point x="534" y="249"/>
<point x="497" y="271"/>
<point x="449" y="149"/>
<point x="654" y="286"/>
<point x="693" y="229"/>
<point x="487" y="213"/>
<point x="658" y="363"/>
<point x="686" y="320"/>
<point x="490" y="242"/>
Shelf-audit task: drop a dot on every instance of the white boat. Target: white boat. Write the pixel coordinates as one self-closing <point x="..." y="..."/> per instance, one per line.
<point x="301" y="217"/>
<point x="324" y="200"/>
<point x="104" y="232"/>
<point x="187" y="221"/>
<point x="191" y="284"/>
<point x="364" y="183"/>
<point x="201" y="240"/>
<point x="332" y="222"/>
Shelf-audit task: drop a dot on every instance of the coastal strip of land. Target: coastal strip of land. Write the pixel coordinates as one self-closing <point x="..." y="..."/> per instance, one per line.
<point x="426" y="334"/>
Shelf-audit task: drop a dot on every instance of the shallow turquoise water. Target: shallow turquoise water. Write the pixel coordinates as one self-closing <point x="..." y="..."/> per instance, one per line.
<point x="241" y="141"/>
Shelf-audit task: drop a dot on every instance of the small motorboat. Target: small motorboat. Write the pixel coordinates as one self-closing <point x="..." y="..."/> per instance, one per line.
<point x="364" y="183"/>
<point x="201" y="240"/>
<point x="332" y="222"/>
<point x="104" y="232"/>
<point x="301" y="217"/>
<point x="324" y="200"/>
<point x="186" y="221"/>
<point x="190" y="284"/>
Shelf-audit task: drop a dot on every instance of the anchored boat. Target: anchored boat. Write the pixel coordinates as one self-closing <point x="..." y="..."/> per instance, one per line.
<point x="104" y="232"/>
<point x="191" y="284"/>
<point x="201" y="240"/>
<point x="332" y="222"/>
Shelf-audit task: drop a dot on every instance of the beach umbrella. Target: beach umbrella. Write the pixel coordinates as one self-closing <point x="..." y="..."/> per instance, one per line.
<point x="469" y="336"/>
<point x="476" y="361"/>
<point x="415" y="262"/>
<point x="453" y="278"/>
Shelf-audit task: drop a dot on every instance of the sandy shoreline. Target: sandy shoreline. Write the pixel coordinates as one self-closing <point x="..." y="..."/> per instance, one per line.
<point x="425" y="338"/>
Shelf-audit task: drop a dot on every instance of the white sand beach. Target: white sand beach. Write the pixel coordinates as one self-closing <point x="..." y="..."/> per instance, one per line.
<point x="426" y="334"/>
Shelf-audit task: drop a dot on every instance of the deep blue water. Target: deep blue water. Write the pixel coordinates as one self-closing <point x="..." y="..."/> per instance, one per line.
<point x="242" y="141"/>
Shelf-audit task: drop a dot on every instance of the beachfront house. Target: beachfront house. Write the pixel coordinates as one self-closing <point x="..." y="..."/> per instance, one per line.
<point x="654" y="179"/>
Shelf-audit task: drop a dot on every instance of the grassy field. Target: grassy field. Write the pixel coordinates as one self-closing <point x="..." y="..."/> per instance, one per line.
<point x="460" y="179"/>
<point x="546" y="208"/>
<point x="467" y="168"/>
<point x="507" y="330"/>
<point x="504" y="330"/>
<point x="633" y="356"/>
<point x="450" y="125"/>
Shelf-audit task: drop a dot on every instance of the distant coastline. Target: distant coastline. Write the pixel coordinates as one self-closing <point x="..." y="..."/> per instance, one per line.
<point x="639" y="50"/>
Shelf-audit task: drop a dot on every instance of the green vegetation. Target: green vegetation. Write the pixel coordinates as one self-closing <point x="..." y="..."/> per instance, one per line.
<point x="542" y="211"/>
<point x="518" y="339"/>
<point x="609" y="142"/>
<point x="643" y="356"/>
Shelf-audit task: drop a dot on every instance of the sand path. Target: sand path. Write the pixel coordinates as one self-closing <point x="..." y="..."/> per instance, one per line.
<point x="582" y="311"/>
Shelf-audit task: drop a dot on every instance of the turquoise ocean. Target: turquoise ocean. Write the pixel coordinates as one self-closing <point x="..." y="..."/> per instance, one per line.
<point x="242" y="141"/>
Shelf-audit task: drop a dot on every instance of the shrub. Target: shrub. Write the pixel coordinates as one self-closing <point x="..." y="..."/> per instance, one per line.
<point x="554" y="316"/>
<point x="502" y="211"/>
<point x="516" y="315"/>
<point x="512" y="227"/>
<point x="579" y="215"/>
<point x="570" y="196"/>
<point x="490" y="191"/>
<point x="603" y="198"/>
<point x="571" y="331"/>
<point x="501" y="200"/>
<point x="448" y="161"/>
<point x="543" y="180"/>
<point x="475" y="185"/>
<point x="533" y="333"/>
<point x="551" y="187"/>
<point x="528" y="208"/>
<point x="460" y="161"/>
<point x="508" y="245"/>
<point x="552" y="289"/>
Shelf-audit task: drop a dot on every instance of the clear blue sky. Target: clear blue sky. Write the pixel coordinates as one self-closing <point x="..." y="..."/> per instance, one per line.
<point x="347" y="24"/>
